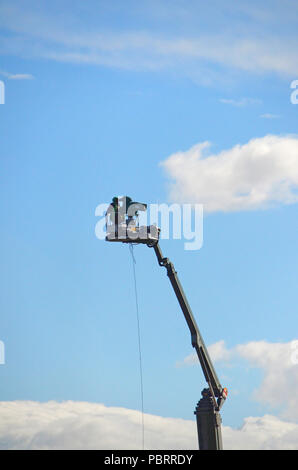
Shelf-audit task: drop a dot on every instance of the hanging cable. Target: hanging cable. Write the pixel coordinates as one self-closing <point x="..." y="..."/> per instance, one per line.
<point x="139" y="340"/>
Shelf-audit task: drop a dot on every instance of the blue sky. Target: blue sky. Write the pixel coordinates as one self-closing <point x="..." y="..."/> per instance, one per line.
<point x="98" y="97"/>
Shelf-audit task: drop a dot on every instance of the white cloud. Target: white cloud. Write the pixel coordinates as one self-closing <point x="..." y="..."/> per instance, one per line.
<point x="21" y="76"/>
<point x="17" y="76"/>
<point x="241" y="102"/>
<point x="262" y="433"/>
<point x="217" y="351"/>
<point x="280" y="374"/>
<point x="81" y="425"/>
<point x="270" y="116"/>
<point x="256" y="175"/>
<point x="279" y="364"/>
<point x="38" y="32"/>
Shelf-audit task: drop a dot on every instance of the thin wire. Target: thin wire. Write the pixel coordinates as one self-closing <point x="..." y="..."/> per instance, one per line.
<point x="139" y="341"/>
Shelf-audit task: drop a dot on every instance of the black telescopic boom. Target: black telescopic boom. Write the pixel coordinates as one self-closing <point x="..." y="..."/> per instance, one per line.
<point x="207" y="410"/>
<point x="196" y="338"/>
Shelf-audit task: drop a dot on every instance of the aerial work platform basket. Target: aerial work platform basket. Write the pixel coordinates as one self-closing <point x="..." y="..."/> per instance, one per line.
<point x="122" y="223"/>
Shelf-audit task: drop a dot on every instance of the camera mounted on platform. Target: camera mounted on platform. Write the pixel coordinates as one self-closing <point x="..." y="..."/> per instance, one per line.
<point x="122" y="222"/>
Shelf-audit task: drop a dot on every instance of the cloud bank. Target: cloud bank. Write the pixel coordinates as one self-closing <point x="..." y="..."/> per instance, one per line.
<point x="83" y="425"/>
<point x="80" y="425"/>
<point x="257" y="175"/>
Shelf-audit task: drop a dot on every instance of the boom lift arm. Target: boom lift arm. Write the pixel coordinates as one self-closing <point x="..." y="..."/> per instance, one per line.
<point x="213" y="397"/>
<point x="125" y="229"/>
